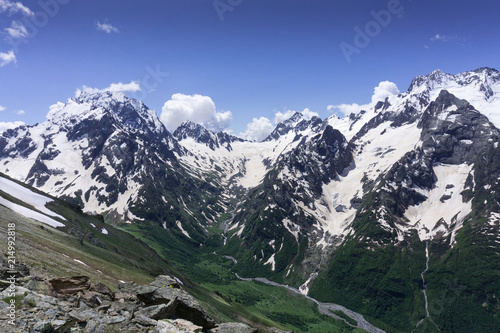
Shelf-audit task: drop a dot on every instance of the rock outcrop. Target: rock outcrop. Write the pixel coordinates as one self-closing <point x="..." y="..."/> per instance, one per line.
<point x="73" y="304"/>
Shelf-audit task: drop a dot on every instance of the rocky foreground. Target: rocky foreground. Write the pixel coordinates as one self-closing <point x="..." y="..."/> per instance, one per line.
<point x="75" y="305"/>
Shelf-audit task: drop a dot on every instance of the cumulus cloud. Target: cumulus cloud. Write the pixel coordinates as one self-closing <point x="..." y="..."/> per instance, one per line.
<point x="106" y="27"/>
<point x="17" y="30"/>
<point x="20" y="112"/>
<point x="196" y="108"/>
<point x="380" y="93"/>
<point x="383" y="90"/>
<point x="7" y="58"/>
<point x="133" y="86"/>
<point x="345" y="109"/>
<point x="8" y="125"/>
<point x="258" y="129"/>
<point x="14" y="7"/>
<point x="2" y="108"/>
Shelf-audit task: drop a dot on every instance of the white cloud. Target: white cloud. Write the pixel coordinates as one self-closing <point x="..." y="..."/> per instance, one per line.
<point x="17" y="30"/>
<point x="447" y="38"/>
<point x="383" y="90"/>
<point x="7" y="58"/>
<point x="439" y="37"/>
<point x="380" y="93"/>
<point x="2" y="108"/>
<point x="258" y="129"/>
<point x="14" y="7"/>
<point x="280" y="117"/>
<point x="345" y="109"/>
<point x="8" y="125"/>
<point x="196" y="108"/>
<point x="20" y="112"/>
<point x="133" y="86"/>
<point x="106" y="27"/>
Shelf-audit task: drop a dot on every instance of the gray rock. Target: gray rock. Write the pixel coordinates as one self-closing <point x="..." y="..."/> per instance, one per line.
<point x="144" y="321"/>
<point x="176" y="326"/>
<point x="233" y="328"/>
<point x="186" y="306"/>
<point x="165" y="281"/>
<point x="42" y="326"/>
<point x="82" y="315"/>
<point x="103" y="290"/>
<point x="95" y="326"/>
<point x="158" y="312"/>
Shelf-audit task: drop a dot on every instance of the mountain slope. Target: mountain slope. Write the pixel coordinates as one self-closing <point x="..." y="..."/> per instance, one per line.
<point x="70" y="242"/>
<point x="364" y="211"/>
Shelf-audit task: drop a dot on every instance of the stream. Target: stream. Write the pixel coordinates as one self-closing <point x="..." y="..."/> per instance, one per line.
<point x="323" y="308"/>
<point x="424" y="288"/>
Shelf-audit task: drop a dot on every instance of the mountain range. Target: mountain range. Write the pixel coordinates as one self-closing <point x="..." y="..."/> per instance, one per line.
<point x="393" y="211"/>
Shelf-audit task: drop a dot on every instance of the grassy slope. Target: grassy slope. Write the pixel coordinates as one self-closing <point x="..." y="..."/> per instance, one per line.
<point x="51" y="252"/>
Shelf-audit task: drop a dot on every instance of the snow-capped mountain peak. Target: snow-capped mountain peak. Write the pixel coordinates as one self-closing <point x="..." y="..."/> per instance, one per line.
<point x="297" y="123"/>
<point x="94" y="105"/>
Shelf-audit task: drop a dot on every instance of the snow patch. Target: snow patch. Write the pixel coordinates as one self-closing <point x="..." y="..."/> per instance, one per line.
<point x="184" y="232"/>
<point x="271" y="262"/>
<point x="444" y="207"/>
<point x="81" y="262"/>
<point x="30" y="213"/>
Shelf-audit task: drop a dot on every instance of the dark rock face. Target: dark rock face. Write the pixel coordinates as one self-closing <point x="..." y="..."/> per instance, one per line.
<point x="456" y="136"/>
<point x="202" y="135"/>
<point x="297" y="124"/>
<point x="318" y="161"/>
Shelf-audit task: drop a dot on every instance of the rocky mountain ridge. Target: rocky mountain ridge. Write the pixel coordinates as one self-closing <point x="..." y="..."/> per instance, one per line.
<point x="415" y="169"/>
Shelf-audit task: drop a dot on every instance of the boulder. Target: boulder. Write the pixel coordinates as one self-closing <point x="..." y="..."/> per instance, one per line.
<point x="176" y="326"/>
<point x="144" y="321"/>
<point x="233" y="328"/>
<point x="157" y="312"/>
<point x="91" y="298"/>
<point x="165" y="281"/>
<point x="38" y="285"/>
<point x="82" y="315"/>
<point x="102" y="289"/>
<point x="186" y="307"/>
<point x="126" y="292"/>
<point x="71" y="285"/>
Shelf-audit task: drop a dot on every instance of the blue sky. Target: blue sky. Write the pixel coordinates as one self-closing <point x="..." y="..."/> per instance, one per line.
<point x="251" y="58"/>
